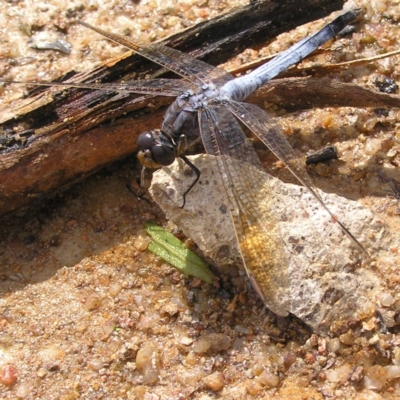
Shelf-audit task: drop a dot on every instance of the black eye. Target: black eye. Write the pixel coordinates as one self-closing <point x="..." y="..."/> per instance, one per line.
<point x="146" y="141"/>
<point x="158" y="148"/>
<point x="163" y="155"/>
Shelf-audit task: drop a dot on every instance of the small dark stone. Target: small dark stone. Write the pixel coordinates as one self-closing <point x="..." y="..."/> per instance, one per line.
<point x="383" y="112"/>
<point x="385" y="84"/>
<point x="322" y="155"/>
<point x="223" y="208"/>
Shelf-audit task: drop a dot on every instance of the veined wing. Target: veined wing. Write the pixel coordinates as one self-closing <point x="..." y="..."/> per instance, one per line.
<point x="248" y="191"/>
<point x="262" y="125"/>
<point x="161" y="87"/>
<point x="195" y="71"/>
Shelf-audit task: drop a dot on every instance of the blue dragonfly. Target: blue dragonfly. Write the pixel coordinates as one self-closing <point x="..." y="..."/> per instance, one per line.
<point x="209" y="108"/>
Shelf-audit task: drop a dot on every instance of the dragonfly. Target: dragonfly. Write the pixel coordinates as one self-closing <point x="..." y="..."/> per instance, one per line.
<point x="209" y="108"/>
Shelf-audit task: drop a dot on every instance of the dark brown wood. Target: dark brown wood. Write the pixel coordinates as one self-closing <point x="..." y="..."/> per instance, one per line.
<point x="57" y="136"/>
<point x="308" y="92"/>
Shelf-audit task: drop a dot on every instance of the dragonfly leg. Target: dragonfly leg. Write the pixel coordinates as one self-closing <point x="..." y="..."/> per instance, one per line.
<point x="138" y="193"/>
<point x="145" y="182"/>
<point x="197" y="173"/>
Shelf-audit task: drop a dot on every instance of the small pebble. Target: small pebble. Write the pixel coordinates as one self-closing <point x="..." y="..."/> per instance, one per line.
<point x="268" y="379"/>
<point x="289" y="359"/>
<point x="186" y="340"/>
<point x="376" y="377"/>
<point x="220" y="342"/>
<point x="313" y="340"/>
<point x="386" y="299"/>
<point x="214" y="381"/>
<point x="8" y="374"/>
<point x="334" y="345"/>
<point x="92" y="302"/>
<point x="347" y="338"/>
<point x="253" y="388"/>
<point x="392" y="371"/>
<point x="309" y="358"/>
<point x="190" y="377"/>
<point x="148" y="363"/>
<point x="25" y="389"/>
<point x="339" y="374"/>
<point x="201" y="346"/>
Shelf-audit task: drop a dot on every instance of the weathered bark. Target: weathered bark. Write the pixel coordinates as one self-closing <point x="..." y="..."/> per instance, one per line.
<point x="72" y="133"/>
<point x="308" y="92"/>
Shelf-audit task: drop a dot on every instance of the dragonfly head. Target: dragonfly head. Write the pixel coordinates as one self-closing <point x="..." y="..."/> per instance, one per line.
<point x="155" y="149"/>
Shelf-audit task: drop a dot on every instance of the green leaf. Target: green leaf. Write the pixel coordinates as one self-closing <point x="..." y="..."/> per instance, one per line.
<point x="172" y="250"/>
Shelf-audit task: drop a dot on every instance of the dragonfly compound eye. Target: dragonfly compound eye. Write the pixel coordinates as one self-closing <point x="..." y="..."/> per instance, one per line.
<point x="146" y="141"/>
<point x="163" y="154"/>
<point x="155" y="150"/>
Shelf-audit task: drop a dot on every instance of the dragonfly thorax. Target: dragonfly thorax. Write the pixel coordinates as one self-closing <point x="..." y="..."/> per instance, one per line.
<point x="160" y="147"/>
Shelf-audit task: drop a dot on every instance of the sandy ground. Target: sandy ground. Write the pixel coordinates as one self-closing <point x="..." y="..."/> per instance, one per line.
<point x="86" y="312"/>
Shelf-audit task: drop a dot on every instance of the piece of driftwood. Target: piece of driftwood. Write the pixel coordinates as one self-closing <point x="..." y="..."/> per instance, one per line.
<point x="58" y="136"/>
<point x="308" y="92"/>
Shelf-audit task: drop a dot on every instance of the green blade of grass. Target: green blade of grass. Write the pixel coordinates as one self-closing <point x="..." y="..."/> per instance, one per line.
<point x="172" y="250"/>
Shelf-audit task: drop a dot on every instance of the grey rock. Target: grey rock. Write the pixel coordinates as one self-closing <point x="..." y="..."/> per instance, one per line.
<point x="324" y="280"/>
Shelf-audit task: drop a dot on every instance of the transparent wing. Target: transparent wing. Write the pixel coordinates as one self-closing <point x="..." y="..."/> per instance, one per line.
<point x="162" y="87"/>
<point x="268" y="131"/>
<point x="195" y="71"/>
<point x="248" y="191"/>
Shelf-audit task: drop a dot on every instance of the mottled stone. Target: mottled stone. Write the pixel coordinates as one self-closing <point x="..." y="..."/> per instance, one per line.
<point x="324" y="280"/>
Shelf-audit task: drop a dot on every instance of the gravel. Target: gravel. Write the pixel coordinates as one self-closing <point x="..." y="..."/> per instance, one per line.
<point x="87" y="313"/>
